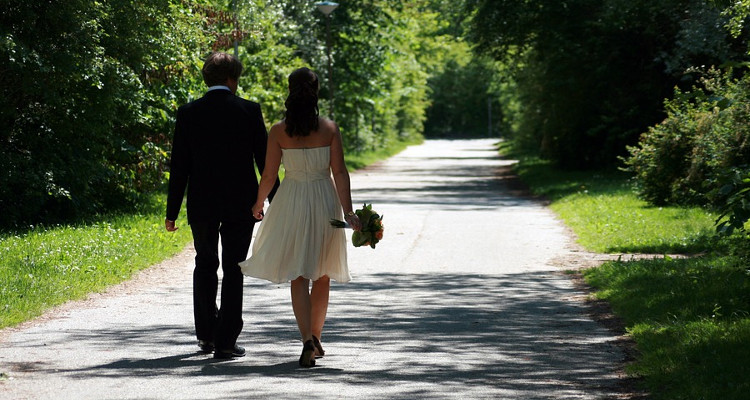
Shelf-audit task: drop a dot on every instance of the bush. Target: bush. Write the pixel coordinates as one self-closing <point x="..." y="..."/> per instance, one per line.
<point x="86" y="98"/>
<point x="735" y="202"/>
<point x="685" y="159"/>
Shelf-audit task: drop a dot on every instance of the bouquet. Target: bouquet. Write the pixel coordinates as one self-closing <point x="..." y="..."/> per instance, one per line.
<point x="372" y="227"/>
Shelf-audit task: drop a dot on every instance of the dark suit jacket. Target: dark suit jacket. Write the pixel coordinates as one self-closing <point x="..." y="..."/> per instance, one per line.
<point x="216" y="139"/>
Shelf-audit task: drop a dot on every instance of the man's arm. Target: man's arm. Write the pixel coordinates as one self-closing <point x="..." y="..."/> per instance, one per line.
<point x="179" y="168"/>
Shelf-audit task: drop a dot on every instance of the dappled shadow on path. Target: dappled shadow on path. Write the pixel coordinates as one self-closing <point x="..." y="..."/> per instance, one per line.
<point x="465" y="184"/>
<point x="517" y="331"/>
<point x="447" y="334"/>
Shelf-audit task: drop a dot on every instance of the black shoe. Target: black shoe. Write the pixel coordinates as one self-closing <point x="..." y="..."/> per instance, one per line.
<point x="236" y="352"/>
<point x="206" y="346"/>
<point x="307" y="359"/>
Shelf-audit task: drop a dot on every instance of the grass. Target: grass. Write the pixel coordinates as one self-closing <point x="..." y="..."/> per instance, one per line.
<point x="689" y="317"/>
<point x="45" y="266"/>
<point x="690" y="320"/>
<point x="608" y="217"/>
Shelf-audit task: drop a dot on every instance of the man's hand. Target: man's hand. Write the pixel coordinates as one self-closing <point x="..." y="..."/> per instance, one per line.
<point x="170" y="225"/>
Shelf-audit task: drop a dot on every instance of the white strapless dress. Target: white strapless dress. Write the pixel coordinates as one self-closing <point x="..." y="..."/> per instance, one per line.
<point x="295" y="237"/>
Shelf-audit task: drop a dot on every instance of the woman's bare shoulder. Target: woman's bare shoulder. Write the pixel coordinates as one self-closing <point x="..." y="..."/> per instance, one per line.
<point x="328" y="129"/>
<point x="326" y="125"/>
<point x="279" y="126"/>
<point x="277" y="129"/>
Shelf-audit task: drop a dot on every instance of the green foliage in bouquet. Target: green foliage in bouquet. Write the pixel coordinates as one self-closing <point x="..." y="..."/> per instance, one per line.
<point x="372" y="227"/>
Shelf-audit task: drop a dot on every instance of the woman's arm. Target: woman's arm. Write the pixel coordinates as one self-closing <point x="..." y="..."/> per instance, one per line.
<point x="341" y="178"/>
<point x="270" y="174"/>
<point x="260" y="147"/>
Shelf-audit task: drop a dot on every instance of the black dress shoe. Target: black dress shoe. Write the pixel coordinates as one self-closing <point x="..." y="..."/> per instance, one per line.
<point x="236" y="352"/>
<point x="206" y="346"/>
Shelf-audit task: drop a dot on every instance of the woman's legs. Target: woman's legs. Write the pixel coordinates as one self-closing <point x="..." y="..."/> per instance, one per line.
<point x="302" y="307"/>
<point x="310" y="307"/>
<point x="307" y="310"/>
<point x="319" y="304"/>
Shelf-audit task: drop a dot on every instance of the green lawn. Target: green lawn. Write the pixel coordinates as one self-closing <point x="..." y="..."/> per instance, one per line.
<point x="608" y="217"/>
<point x="46" y="266"/>
<point x="689" y="317"/>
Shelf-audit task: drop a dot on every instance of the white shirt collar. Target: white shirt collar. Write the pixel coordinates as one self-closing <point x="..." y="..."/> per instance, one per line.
<point x="219" y="87"/>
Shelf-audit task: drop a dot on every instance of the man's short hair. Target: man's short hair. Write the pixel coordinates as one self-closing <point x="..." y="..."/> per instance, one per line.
<point x="219" y="67"/>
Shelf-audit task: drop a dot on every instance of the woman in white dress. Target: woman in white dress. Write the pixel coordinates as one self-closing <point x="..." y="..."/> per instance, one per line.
<point x="296" y="241"/>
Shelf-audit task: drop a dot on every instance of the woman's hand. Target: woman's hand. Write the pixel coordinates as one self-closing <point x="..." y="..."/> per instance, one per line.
<point x="353" y="221"/>
<point x="258" y="211"/>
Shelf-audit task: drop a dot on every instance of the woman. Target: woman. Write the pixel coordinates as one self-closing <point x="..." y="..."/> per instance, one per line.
<point x="296" y="241"/>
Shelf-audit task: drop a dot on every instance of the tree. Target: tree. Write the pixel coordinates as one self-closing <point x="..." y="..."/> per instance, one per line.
<point x="379" y="78"/>
<point x="592" y="75"/>
<point x="86" y="95"/>
<point x="90" y="88"/>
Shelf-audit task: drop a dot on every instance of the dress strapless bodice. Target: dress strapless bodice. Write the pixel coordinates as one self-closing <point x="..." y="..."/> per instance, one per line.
<point x="307" y="164"/>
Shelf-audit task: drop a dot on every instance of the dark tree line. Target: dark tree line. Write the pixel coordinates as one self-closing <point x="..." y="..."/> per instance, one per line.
<point x="660" y="89"/>
<point x="590" y="75"/>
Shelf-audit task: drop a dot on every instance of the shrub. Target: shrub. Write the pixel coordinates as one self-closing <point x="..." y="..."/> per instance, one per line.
<point x="735" y="202"/>
<point x="685" y="159"/>
<point x="86" y="98"/>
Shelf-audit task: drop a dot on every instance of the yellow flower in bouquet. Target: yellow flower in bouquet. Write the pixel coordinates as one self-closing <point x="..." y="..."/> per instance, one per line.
<point x="372" y="227"/>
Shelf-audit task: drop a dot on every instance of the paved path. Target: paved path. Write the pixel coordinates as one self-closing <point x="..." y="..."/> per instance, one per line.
<point x="460" y="300"/>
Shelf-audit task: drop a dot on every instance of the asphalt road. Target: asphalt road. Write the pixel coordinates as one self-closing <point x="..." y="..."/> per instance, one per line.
<point x="460" y="300"/>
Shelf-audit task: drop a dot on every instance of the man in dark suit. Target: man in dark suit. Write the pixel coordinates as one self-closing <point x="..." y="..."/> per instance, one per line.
<point x="216" y="139"/>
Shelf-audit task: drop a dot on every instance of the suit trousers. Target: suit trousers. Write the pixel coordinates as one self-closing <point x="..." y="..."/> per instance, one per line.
<point x="219" y="325"/>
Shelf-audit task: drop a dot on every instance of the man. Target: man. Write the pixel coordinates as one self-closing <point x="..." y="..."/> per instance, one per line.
<point x="216" y="139"/>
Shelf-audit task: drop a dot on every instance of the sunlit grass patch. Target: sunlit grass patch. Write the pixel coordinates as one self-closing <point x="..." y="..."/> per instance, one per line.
<point x="690" y="319"/>
<point x="607" y="216"/>
<point x="46" y="266"/>
<point x="620" y="222"/>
